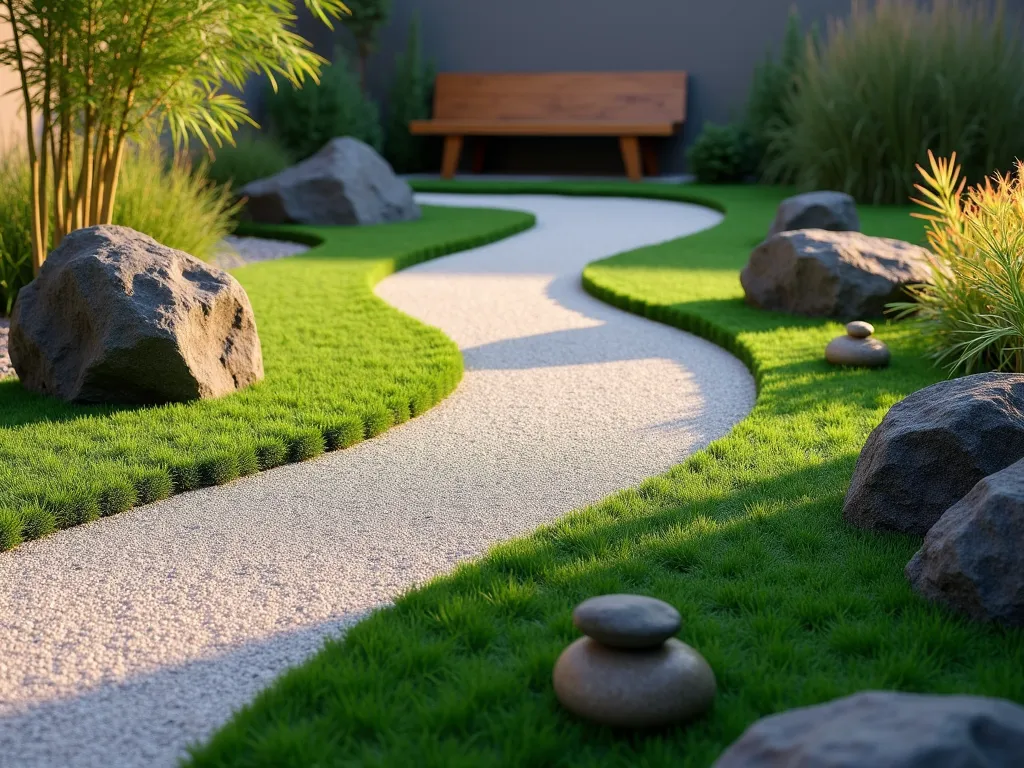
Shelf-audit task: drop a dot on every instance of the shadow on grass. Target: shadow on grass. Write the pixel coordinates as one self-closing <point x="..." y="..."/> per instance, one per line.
<point x="790" y="606"/>
<point x="19" y="407"/>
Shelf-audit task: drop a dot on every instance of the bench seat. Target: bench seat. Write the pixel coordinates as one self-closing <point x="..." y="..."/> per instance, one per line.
<point x="635" y="107"/>
<point x="540" y="128"/>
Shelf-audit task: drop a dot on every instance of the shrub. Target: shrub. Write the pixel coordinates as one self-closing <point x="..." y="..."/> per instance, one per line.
<point x="773" y="85"/>
<point x="409" y="99"/>
<point x="304" y="119"/>
<point x="721" y="154"/>
<point x="169" y="201"/>
<point x="15" y="228"/>
<point x="173" y="202"/>
<point x="894" y="81"/>
<point x="251" y="157"/>
<point x="973" y="315"/>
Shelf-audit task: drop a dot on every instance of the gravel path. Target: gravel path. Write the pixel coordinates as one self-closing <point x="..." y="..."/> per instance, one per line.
<point x="5" y="360"/>
<point x="239" y="251"/>
<point x="127" y="638"/>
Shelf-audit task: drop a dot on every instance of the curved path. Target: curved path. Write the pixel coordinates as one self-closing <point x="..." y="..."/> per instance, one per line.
<point x="123" y="640"/>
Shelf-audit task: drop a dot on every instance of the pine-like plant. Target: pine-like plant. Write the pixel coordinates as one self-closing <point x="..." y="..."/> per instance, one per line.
<point x="773" y="85"/>
<point x="304" y="119"/>
<point x="409" y="100"/>
<point x="365" y="20"/>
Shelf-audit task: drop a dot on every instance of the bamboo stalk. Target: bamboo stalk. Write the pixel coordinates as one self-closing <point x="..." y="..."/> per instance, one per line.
<point x="112" y="172"/>
<point x="47" y="133"/>
<point x="37" y="247"/>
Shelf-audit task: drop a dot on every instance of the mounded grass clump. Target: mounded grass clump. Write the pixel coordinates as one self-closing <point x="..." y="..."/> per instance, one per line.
<point x="790" y="605"/>
<point x="341" y="366"/>
<point x="169" y="200"/>
<point x="895" y="79"/>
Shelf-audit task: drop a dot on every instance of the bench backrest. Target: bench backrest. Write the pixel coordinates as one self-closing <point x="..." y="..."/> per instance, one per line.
<point x="609" y="96"/>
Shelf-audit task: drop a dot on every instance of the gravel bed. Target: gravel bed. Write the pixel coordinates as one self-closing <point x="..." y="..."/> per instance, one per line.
<point x="5" y="359"/>
<point x="239" y="251"/>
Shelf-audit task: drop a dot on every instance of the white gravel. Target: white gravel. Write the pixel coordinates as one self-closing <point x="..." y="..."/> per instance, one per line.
<point x="6" y="369"/>
<point x="123" y="640"/>
<point x="238" y="251"/>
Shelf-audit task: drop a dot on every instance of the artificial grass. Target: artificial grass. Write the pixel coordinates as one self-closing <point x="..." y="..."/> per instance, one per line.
<point x="341" y="365"/>
<point x="789" y="605"/>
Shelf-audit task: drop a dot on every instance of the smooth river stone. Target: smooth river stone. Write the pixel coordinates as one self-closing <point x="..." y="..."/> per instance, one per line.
<point x="859" y="329"/>
<point x="668" y="685"/>
<point x="862" y="353"/>
<point x="627" y="621"/>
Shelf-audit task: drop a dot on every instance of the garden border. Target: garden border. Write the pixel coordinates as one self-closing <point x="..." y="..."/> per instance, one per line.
<point x="43" y="513"/>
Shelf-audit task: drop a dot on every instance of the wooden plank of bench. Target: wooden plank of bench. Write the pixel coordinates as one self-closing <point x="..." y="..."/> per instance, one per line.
<point x="539" y="128"/>
<point x="629" y="106"/>
<point x="625" y="97"/>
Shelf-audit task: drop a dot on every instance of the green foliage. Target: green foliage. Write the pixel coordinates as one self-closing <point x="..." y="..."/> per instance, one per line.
<point x="15" y="228"/>
<point x="167" y="200"/>
<point x="304" y="119"/>
<point x="251" y="157"/>
<point x="721" y="154"/>
<point x="409" y="100"/>
<point x="773" y="85"/>
<point x="340" y="365"/>
<point x="790" y="605"/>
<point x="10" y="529"/>
<point x="896" y="80"/>
<point x="173" y="202"/>
<point x="98" y="73"/>
<point x="973" y="313"/>
<point x="365" y="20"/>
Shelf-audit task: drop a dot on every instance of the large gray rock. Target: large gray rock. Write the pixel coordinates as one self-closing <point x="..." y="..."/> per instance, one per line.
<point x="344" y="183"/>
<point x="845" y="275"/>
<point x="835" y="211"/>
<point x="882" y="729"/>
<point x="973" y="557"/>
<point x="932" y="448"/>
<point x="116" y="317"/>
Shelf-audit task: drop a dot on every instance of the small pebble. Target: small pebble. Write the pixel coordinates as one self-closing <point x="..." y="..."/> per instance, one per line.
<point x="859" y="329"/>
<point x="627" y="621"/>
<point x="6" y="369"/>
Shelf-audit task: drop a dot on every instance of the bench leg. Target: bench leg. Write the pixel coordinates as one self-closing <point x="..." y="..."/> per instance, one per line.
<point x="479" y="150"/>
<point x="630" y="147"/>
<point x="650" y="151"/>
<point x="450" y="158"/>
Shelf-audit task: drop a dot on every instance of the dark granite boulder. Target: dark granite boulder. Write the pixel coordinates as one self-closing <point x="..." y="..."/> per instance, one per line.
<point x="845" y="275"/>
<point x="973" y="558"/>
<point x="932" y="448"/>
<point x="116" y="317"/>
<point x="835" y="211"/>
<point x="884" y="729"/>
<point x="345" y="183"/>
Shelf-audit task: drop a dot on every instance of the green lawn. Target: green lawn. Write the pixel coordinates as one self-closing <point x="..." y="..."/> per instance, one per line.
<point x="789" y="605"/>
<point x="341" y="365"/>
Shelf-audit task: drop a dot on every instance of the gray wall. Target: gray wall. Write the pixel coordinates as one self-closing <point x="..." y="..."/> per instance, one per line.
<point x="718" y="42"/>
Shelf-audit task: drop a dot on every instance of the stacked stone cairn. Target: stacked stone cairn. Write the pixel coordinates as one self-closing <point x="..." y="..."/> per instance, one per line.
<point x="629" y="671"/>
<point x="858" y="347"/>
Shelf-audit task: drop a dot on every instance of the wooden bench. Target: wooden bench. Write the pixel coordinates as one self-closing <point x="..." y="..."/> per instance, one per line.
<point x="634" y="106"/>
